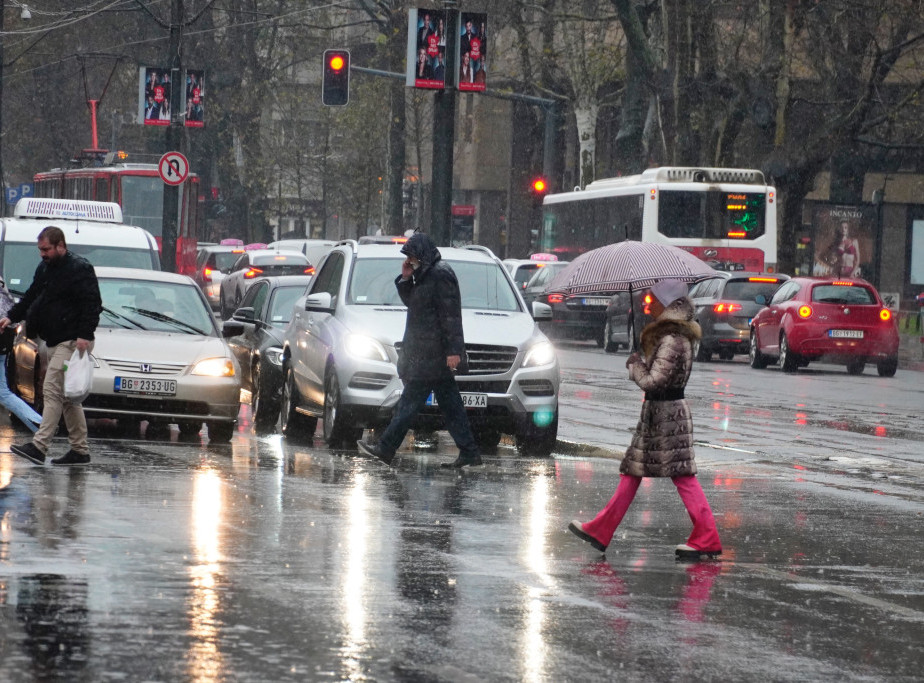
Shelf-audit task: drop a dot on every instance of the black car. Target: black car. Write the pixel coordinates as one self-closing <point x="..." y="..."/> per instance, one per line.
<point x="255" y="334"/>
<point x="724" y="307"/>
<point x="620" y="324"/>
<point x="540" y="279"/>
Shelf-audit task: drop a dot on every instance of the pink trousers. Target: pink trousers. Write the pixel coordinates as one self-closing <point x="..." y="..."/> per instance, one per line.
<point x="705" y="536"/>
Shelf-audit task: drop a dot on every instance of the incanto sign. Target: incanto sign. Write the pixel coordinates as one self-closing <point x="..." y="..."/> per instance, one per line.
<point x="173" y="168"/>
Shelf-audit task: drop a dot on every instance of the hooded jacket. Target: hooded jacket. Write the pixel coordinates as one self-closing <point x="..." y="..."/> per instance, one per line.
<point x="662" y="445"/>
<point x="433" y="329"/>
<point x="62" y="303"/>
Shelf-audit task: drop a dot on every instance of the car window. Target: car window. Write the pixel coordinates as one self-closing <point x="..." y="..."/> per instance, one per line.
<point x="785" y="293"/>
<point x="242" y="262"/>
<point x="223" y="261"/>
<point x="522" y="274"/>
<point x="154" y="305"/>
<point x="281" y="304"/>
<point x="328" y="280"/>
<point x="279" y="259"/>
<point x="842" y="294"/>
<point x="483" y="286"/>
<point x="373" y="282"/>
<point x="745" y="290"/>
<point x="257" y="301"/>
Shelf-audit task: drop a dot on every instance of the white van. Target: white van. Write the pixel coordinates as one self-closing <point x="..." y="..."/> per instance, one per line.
<point x="93" y="230"/>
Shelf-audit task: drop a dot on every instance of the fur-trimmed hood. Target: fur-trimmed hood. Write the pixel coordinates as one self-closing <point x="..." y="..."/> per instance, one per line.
<point x="676" y="319"/>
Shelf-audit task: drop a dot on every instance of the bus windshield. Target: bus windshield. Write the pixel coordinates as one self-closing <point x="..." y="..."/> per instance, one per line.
<point x="143" y="202"/>
<point x="711" y="215"/>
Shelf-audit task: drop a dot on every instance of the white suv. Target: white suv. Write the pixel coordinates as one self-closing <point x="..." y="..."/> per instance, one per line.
<point x="341" y="349"/>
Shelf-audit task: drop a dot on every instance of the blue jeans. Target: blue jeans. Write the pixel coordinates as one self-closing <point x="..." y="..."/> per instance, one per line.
<point x="413" y="399"/>
<point x="14" y="404"/>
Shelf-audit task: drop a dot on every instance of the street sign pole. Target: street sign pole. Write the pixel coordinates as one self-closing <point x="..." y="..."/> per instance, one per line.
<point x="444" y="130"/>
<point x="173" y="138"/>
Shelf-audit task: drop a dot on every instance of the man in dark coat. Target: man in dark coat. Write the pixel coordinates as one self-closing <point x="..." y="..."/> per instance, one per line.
<point x="432" y="351"/>
<point x="62" y="306"/>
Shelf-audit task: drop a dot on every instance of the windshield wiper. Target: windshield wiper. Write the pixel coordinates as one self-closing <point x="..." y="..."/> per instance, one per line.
<point x="165" y="319"/>
<point x="119" y="316"/>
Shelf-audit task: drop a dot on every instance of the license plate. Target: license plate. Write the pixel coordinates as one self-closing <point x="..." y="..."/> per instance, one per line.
<point x="138" y="385"/>
<point x="595" y="301"/>
<point x="468" y="400"/>
<point x="846" y="334"/>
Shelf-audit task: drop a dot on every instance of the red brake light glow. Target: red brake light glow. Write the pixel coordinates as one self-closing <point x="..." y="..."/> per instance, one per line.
<point x="805" y="311"/>
<point x="723" y="307"/>
<point x="763" y="279"/>
<point x="309" y="270"/>
<point x="556" y="298"/>
<point x="738" y="235"/>
<point x="252" y="273"/>
<point x="885" y="314"/>
<point x="840" y="283"/>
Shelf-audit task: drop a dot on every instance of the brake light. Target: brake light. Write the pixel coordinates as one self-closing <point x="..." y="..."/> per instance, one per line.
<point x="726" y="308"/>
<point x="885" y="314"/>
<point x="309" y="270"/>
<point x="207" y="274"/>
<point x="763" y="279"/>
<point x="842" y="283"/>
<point x="805" y="311"/>
<point x="556" y="298"/>
<point x="252" y="273"/>
<point x="647" y="301"/>
<point x="738" y="235"/>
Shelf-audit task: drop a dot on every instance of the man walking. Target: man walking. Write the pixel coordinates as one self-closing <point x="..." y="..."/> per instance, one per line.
<point x="62" y="306"/>
<point x="432" y="351"/>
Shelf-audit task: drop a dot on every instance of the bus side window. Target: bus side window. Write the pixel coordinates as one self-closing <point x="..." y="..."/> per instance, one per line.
<point x="102" y="190"/>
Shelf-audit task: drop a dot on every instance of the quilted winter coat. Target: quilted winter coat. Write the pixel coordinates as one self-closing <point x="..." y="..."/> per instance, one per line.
<point x="662" y="445"/>
<point x="434" y="315"/>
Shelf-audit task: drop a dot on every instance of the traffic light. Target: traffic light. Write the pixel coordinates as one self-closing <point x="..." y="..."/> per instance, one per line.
<point x="335" y="88"/>
<point x="538" y="189"/>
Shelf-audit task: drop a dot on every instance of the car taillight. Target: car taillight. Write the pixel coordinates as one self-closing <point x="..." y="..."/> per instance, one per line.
<point x="556" y="298"/>
<point x="805" y="311"/>
<point x="252" y="273"/>
<point x="885" y="314"/>
<point x="309" y="270"/>
<point x="207" y="274"/>
<point x="647" y="301"/>
<point x="726" y="307"/>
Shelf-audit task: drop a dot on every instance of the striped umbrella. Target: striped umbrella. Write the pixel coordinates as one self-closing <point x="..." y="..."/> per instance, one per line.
<point x="628" y="266"/>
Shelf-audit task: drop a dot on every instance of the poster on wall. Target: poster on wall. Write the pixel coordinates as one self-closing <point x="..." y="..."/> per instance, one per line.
<point x="844" y="241"/>
<point x="426" y="48"/>
<point x="473" y="48"/>
<point x="154" y="91"/>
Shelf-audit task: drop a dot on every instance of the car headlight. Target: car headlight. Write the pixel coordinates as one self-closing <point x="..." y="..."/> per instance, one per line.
<point x="274" y="355"/>
<point x="361" y="346"/>
<point x="542" y="353"/>
<point x="214" y="367"/>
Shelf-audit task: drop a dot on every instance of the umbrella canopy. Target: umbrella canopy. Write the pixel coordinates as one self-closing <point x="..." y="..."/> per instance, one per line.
<point x="628" y="266"/>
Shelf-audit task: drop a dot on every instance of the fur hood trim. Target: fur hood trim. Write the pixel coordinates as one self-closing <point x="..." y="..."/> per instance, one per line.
<point x="676" y="319"/>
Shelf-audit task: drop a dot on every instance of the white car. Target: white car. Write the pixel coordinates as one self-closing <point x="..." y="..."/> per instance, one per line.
<point x="258" y="263"/>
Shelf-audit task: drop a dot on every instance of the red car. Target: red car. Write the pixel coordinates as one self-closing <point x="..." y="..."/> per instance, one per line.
<point x="842" y="320"/>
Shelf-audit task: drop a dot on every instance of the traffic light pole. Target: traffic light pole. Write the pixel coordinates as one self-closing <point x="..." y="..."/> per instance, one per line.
<point x="444" y="133"/>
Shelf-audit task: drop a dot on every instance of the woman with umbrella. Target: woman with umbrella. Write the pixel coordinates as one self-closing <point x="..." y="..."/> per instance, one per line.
<point x="662" y="445"/>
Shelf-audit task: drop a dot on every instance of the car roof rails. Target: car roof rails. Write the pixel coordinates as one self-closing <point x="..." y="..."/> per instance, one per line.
<point x="353" y="244"/>
<point x="481" y="248"/>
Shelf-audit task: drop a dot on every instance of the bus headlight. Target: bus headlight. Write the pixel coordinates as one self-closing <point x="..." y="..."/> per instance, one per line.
<point x="542" y="353"/>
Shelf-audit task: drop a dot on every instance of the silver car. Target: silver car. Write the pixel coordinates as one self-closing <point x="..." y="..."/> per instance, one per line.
<point x="158" y="356"/>
<point x="341" y="349"/>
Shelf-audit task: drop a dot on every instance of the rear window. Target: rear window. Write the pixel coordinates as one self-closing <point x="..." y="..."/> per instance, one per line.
<point x="744" y="290"/>
<point x="223" y="260"/>
<point x="842" y="294"/>
<point x="523" y="273"/>
<point x="278" y="260"/>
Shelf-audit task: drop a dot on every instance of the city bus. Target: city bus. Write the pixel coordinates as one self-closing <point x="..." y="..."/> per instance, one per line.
<point x="139" y="190"/>
<point x="726" y="216"/>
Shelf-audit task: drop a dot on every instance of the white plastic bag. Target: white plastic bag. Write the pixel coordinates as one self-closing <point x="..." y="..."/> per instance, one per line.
<point x="78" y="376"/>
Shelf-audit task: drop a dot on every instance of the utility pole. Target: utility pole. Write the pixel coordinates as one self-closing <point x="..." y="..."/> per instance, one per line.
<point x="2" y="179"/>
<point x="173" y="137"/>
<point x="444" y="132"/>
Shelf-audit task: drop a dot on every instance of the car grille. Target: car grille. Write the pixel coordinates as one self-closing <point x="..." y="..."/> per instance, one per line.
<point x="536" y="387"/>
<point x="155" y="369"/>
<point x="487" y="359"/>
<point x="369" y="380"/>
<point x="481" y="387"/>
<point x="146" y="405"/>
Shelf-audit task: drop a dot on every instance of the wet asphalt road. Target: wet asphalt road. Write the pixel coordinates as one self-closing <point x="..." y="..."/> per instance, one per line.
<point x="263" y="561"/>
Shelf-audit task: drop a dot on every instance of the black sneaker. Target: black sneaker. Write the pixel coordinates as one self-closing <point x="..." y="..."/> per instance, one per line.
<point x="461" y="462"/>
<point x="687" y="553"/>
<point x="72" y="457"/>
<point x="576" y="528"/>
<point x="375" y="452"/>
<point x="30" y="452"/>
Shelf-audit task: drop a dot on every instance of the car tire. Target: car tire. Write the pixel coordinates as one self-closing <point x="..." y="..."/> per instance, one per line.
<point x="700" y="352"/>
<point x="856" y="367"/>
<point x="887" y="367"/>
<point x="727" y="354"/>
<point x="758" y="360"/>
<point x="608" y="344"/>
<point x="337" y="433"/>
<point x="487" y="440"/>
<point x="537" y="441"/>
<point x="264" y="403"/>
<point x="789" y="361"/>
<point x="220" y="432"/>
<point x="157" y="431"/>
<point x="295" y="426"/>
<point x="128" y="427"/>
<point x="190" y="428"/>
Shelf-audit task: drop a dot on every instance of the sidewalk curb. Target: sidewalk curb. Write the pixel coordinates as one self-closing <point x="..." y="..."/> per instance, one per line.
<point x="586" y="450"/>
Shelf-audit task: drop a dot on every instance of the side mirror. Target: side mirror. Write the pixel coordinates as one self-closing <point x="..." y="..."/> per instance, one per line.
<point x="541" y="311"/>
<point x="244" y="314"/>
<point x="761" y="299"/>
<point x="319" y="302"/>
<point x="232" y="328"/>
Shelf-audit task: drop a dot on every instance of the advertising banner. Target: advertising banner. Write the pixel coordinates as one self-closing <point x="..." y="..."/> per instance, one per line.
<point x="154" y="88"/>
<point x="844" y="240"/>
<point x="195" y="98"/>
<point x="473" y="47"/>
<point x="426" y="51"/>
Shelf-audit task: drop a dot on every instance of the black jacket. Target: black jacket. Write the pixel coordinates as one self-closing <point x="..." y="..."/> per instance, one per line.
<point x="62" y="303"/>
<point x="434" y="314"/>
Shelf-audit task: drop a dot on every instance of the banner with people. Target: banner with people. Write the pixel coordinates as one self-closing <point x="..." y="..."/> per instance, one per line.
<point x="473" y="43"/>
<point x="844" y="241"/>
<point x="426" y="58"/>
<point x="195" y="98"/>
<point x="155" y="97"/>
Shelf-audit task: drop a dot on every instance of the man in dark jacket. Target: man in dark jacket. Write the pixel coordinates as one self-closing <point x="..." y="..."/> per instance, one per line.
<point x="62" y="306"/>
<point x="432" y="351"/>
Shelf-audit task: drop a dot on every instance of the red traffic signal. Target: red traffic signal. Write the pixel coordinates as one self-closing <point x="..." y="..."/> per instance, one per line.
<point x="539" y="186"/>
<point x="335" y="86"/>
